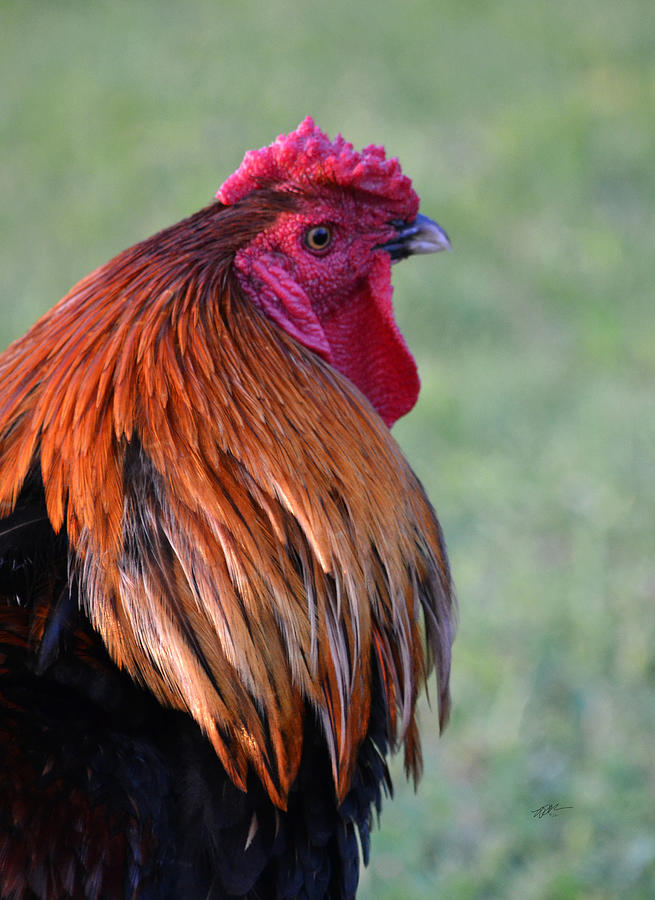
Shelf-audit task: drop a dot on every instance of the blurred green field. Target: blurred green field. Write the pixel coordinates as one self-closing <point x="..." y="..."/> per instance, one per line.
<point x="529" y="131"/>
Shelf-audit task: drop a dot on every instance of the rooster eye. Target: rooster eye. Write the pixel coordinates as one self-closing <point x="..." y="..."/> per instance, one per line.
<point x="318" y="238"/>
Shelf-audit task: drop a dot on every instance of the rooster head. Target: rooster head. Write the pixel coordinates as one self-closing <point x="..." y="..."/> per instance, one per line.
<point x="322" y="270"/>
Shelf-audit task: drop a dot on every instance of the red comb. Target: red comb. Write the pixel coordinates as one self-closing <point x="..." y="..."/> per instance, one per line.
<point x="307" y="157"/>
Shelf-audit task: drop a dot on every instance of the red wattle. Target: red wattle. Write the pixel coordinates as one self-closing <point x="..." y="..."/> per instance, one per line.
<point x="356" y="333"/>
<point x="367" y="346"/>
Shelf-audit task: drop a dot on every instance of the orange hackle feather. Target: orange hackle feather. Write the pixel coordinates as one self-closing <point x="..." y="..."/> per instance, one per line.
<point x="246" y="534"/>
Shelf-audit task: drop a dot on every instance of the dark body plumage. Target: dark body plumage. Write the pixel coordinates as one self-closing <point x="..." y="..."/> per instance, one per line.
<point x="149" y="811"/>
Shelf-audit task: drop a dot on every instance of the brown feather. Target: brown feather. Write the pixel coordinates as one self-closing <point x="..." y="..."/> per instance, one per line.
<point x="247" y="534"/>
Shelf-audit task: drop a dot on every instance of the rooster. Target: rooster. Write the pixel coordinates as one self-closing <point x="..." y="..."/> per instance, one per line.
<point x="221" y="584"/>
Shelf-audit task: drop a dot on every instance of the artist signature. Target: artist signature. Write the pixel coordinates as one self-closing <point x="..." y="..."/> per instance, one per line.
<point x="550" y="809"/>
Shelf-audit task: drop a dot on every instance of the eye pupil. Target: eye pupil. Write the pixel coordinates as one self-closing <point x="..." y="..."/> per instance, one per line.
<point x="318" y="237"/>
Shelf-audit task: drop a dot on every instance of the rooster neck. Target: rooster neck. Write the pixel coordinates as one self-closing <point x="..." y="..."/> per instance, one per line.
<point x="247" y="537"/>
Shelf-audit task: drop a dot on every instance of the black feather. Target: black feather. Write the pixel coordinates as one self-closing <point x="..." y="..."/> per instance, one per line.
<point x="105" y="793"/>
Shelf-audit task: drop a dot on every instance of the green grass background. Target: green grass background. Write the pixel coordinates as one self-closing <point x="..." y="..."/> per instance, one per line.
<point x="529" y="131"/>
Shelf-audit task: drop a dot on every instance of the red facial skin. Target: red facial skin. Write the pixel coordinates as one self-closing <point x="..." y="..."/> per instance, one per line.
<point x="336" y="300"/>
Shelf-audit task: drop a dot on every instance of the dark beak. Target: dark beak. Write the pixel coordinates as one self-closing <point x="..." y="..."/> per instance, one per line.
<point x="420" y="236"/>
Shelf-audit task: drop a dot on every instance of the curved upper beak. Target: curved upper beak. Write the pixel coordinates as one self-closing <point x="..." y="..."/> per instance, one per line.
<point x="420" y="236"/>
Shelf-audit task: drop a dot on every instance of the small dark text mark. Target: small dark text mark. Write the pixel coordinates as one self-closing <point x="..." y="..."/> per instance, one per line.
<point x="550" y="809"/>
